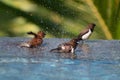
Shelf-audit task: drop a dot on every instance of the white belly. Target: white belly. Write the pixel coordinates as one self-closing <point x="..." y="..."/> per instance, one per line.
<point x="25" y="45"/>
<point x="87" y="35"/>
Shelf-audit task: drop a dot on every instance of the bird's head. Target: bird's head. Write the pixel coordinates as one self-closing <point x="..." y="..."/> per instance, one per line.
<point x="41" y="34"/>
<point x="91" y="26"/>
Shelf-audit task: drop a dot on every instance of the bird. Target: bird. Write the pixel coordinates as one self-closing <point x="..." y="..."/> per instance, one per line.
<point x="67" y="47"/>
<point x="86" y="33"/>
<point x="36" y="41"/>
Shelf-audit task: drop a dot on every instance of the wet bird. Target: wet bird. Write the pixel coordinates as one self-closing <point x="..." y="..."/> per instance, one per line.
<point x="67" y="47"/>
<point x="36" y="41"/>
<point x="86" y="33"/>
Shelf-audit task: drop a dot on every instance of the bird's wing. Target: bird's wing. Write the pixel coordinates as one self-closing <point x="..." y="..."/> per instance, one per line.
<point x="32" y="33"/>
<point x="82" y="33"/>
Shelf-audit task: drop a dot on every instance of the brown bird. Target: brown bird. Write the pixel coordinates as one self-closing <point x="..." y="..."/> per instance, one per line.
<point x="36" y="41"/>
<point x="86" y="33"/>
<point x="67" y="47"/>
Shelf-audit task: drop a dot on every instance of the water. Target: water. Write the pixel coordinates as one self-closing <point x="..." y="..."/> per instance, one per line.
<point x="96" y="60"/>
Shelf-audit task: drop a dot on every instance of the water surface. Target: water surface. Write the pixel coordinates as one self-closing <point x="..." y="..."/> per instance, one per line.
<point x="96" y="60"/>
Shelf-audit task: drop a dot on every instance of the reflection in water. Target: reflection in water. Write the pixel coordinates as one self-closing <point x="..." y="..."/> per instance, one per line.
<point x="85" y="49"/>
<point x="68" y="55"/>
<point x="38" y="51"/>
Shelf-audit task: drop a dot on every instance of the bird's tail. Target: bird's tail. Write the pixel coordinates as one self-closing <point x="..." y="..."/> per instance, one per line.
<point x="56" y="50"/>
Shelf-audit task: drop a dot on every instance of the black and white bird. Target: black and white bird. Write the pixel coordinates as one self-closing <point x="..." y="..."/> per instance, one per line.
<point x="67" y="47"/>
<point x="86" y="33"/>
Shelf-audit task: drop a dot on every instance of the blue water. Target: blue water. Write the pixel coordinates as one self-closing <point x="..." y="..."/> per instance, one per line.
<point x="62" y="69"/>
<point x="93" y="62"/>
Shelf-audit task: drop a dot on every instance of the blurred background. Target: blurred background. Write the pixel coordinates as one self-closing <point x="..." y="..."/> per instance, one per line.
<point x="60" y="18"/>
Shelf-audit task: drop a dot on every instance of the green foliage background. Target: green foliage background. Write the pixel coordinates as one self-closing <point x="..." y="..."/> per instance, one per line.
<point x="60" y="18"/>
